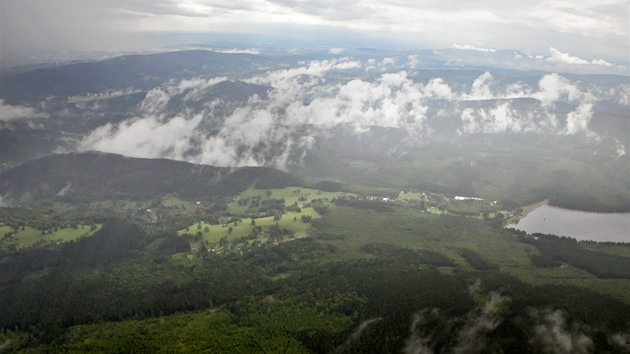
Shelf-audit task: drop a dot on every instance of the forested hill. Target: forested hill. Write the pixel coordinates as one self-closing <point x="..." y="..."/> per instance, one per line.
<point x="92" y="175"/>
<point x="139" y="71"/>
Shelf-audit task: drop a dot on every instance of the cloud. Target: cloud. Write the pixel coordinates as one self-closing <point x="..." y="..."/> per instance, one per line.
<point x="585" y="18"/>
<point x="553" y="87"/>
<point x="64" y="190"/>
<point x="308" y="100"/>
<point x="564" y="58"/>
<point x="393" y="100"/>
<point x="335" y="50"/>
<point x="78" y="99"/>
<point x="622" y="340"/>
<point x="123" y="25"/>
<point x="472" y="337"/>
<point x="388" y="61"/>
<point x="155" y="101"/>
<point x="481" y="87"/>
<point x="465" y="334"/>
<point x="356" y="335"/>
<point x="11" y="113"/>
<point x="472" y="47"/>
<point x="438" y="89"/>
<point x="263" y="131"/>
<point x="69" y="25"/>
<point x="500" y="119"/>
<point x="622" y="94"/>
<point x="413" y="60"/>
<point x="254" y="51"/>
<point x="290" y="78"/>
<point x="555" y="336"/>
<point x="420" y="337"/>
<point x="577" y="121"/>
<point x="620" y="149"/>
<point x="145" y="137"/>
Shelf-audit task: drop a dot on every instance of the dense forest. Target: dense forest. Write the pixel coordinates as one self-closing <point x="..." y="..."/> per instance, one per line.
<point x="84" y="177"/>
<point x="370" y="276"/>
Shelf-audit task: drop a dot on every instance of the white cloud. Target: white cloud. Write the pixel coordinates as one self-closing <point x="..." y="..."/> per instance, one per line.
<point x="577" y="121"/>
<point x="481" y="87"/>
<point x="432" y="332"/>
<point x="582" y="26"/>
<point x="555" y="336"/>
<point x="335" y="50"/>
<point x="254" y="51"/>
<point x="564" y="58"/>
<point x="553" y="87"/>
<point x="622" y="340"/>
<point x="622" y="94"/>
<point x="264" y="131"/>
<point x="391" y="101"/>
<point x="155" y="101"/>
<point x="284" y="79"/>
<point x="472" y="47"/>
<point x="10" y="112"/>
<point x="389" y="61"/>
<point x="195" y="86"/>
<point x="144" y="137"/>
<point x="620" y="150"/>
<point x="413" y="61"/>
<point x="437" y="88"/>
<point x="502" y="118"/>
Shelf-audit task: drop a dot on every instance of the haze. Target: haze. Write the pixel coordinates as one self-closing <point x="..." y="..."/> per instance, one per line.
<point x="484" y="25"/>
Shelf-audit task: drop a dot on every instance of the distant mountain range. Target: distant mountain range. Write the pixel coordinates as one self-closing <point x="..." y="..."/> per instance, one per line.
<point x="141" y="72"/>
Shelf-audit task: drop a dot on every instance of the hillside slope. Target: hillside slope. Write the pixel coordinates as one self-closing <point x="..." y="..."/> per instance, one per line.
<point x="94" y="175"/>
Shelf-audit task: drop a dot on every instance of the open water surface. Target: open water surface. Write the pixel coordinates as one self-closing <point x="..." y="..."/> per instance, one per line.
<point x="580" y="225"/>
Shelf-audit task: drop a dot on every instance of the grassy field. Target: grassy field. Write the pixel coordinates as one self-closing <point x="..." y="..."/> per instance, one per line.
<point x="290" y="195"/>
<point x="213" y="233"/>
<point x="291" y="221"/>
<point x="30" y="237"/>
<point x="410" y="196"/>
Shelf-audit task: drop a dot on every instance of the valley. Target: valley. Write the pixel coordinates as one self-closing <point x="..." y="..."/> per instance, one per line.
<point x="247" y="272"/>
<point x="200" y="201"/>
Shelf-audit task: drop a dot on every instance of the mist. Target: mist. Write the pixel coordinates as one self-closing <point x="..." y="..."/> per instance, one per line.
<point x="306" y="101"/>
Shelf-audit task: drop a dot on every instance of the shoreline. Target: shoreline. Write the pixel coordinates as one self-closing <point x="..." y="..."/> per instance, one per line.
<point x="529" y="208"/>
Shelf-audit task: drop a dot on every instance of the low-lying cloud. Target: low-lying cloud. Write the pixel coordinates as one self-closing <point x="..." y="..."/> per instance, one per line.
<point x="564" y="58"/>
<point x="356" y="336"/>
<point x="145" y="137"/>
<point x="554" y="335"/>
<point x="18" y="112"/>
<point x="472" y="47"/>
<point x="468" y="334"/>
<point x="307" y="100"/>
<point x="547" y="330"/>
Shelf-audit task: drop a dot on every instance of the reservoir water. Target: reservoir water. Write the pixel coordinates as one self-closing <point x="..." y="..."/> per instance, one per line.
<point x="580" y="225"/>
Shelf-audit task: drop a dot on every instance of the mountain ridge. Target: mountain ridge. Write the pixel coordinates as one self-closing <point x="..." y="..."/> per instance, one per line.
<point x="95" y="175"/>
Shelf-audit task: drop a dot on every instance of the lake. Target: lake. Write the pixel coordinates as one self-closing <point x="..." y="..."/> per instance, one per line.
<point x="580" y="225"/>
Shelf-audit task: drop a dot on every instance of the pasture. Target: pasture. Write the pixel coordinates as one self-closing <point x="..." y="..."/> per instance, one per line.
<point x="30" y="237"/>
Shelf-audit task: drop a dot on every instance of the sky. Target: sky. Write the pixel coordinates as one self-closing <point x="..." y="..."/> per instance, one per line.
<point x="582" y="29"/>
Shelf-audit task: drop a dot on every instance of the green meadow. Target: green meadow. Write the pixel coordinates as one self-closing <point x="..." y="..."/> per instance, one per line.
<point x="30" y="237"/>
<point x="290" y="195"/>
<point x="236" y="227"/>
<point x="233" y="230"/>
